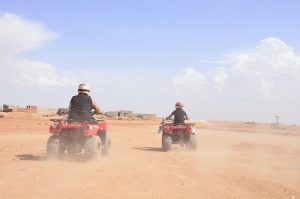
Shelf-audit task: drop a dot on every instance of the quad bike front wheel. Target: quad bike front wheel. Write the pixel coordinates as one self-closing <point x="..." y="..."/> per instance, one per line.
<point x="92" y="146"/>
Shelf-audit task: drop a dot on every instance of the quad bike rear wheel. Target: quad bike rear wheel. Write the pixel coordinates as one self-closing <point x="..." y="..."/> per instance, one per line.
<point x="192" y="143"/>
<point x="106" y="146"/>
<point x="53" y="146"/>
<point x="166" y="142"/>
<point x="92" y="146"/>
<point x="106" y="142"/>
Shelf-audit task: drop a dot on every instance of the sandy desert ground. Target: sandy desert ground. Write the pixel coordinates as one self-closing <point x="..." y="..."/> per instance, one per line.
<point x="233" y="160"/>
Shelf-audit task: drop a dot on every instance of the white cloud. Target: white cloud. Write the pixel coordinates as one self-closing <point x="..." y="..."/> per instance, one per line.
<point x="26" y="81"/>
<point x="34" y="73"/>
<point x="266" y="88"/>
<point x="190" y="80"/>
<point x="189" y="77"/>
<point x="18" y="35"/>
<point x="251" y="85"/>
<point x="218" y="77"/>
<point x="131" y="90"/>
<point x="272" y="57"/>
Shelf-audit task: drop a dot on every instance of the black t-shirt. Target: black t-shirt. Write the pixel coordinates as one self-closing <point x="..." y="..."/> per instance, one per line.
<point x="179" y="116"/>
<point x="81" y="107"/>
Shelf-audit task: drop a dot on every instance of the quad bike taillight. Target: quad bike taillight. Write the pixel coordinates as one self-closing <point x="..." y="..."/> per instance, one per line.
<point x="85" y="126"/>
<point x="55" y="128"/>
<point x="90" y="128"/>
<point x="168" y="128"/>
<point x="191" y="129"/>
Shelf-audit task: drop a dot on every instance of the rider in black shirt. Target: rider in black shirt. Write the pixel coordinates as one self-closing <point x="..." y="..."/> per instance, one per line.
<point x="179" y="114"/>
<point x="81" y="105"/>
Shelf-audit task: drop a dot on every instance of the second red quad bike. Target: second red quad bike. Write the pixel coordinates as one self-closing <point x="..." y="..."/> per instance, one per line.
<point x="73" y="137"/>
<point x="183" y="134"/>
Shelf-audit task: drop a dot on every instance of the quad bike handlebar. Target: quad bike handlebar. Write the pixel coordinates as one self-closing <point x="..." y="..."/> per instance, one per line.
<point x="97" y="113"/>
<point x="57" y="119"/>
<point x="94" y="113"/>
<point x="170" y="121"/>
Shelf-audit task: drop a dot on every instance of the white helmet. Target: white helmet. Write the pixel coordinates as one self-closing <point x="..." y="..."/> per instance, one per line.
<point x="83" y="88"/>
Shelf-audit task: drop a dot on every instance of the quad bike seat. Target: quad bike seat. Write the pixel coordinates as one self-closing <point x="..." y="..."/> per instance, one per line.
<point x="92" y="120"/>
<point x="179" y="124"/>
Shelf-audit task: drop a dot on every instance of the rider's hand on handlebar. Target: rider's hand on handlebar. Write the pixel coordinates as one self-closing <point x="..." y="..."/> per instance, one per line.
<point x="97" y="113"/>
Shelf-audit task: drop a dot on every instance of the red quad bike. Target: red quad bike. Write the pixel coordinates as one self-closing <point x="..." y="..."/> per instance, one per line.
<point x="73" y="137"/>
<point x="183" y="134"/>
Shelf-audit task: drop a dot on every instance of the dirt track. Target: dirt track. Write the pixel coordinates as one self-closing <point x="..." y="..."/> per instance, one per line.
<point x="232" y="161"/>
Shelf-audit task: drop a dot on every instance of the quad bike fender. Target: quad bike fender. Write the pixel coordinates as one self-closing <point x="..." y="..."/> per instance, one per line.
<point x="55" y="127"/>
<point x="88" y="128"/>
<point x="94" y="129"/>
<point x="189" y="129"/>
<point x="167" y="128"/>
<point x="102" y="126"/>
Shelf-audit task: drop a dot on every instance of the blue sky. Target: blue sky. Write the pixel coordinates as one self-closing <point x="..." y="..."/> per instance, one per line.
<point x="146" y="55"/>
<point x="169" y="34"/>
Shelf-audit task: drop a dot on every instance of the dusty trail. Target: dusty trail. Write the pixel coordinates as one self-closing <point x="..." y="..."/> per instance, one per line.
<point x="227" y="164"/>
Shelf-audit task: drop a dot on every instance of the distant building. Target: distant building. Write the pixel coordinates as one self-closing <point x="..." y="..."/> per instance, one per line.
<point x="129" y="115"/>
<point x="123" y="114"/>
<point x="111" y="114"/>
<point x="9" y="108"/>
<point x="12" y="108"/>
<point x="148" y="116"/>
<point x="28" y="109"/>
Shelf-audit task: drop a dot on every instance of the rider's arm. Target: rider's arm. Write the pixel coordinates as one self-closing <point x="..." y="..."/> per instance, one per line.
<point x="186" y="117"/>
<point x="96" y="107"/>
<point x="170" y="116"/>
<point x="70" y="105"/>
